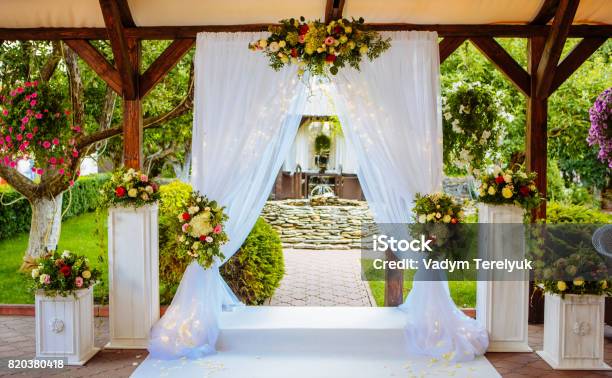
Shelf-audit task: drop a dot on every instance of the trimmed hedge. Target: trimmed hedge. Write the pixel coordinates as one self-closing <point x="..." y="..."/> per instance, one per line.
<point x="253" y="273"/>
<point x="256" y="270"/>
<point x="16" y="215"/>
<point x="561" y="213"/>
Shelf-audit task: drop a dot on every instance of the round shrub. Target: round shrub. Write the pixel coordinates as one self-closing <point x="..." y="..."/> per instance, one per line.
<point x="255" y="271"/>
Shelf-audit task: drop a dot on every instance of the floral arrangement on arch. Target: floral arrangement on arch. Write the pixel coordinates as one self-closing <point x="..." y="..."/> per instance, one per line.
<point x="320" y="48"/>
<point x="509" y="187"/>
<point x="600" y="132"/>
<point x="201" y="232"/>
<point x="33" y="123"/>
<point x="130" y="188"/>
<point x="472" y="123"/>
<point x="565" y="261"/>
<point x="63" y="274"/>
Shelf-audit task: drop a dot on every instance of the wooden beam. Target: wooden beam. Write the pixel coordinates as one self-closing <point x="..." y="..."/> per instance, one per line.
<point x="132" y="115"/>
<point x="163" y="64"/>
<point x="448" y="45"/>
<point x="504" y="62"/>
<point x="554" y="46"/>
<point x="333" y="10"/>
<point x="546" y="12"/>
<point x="536" y="135"/>
<point x="97" y="62"/>
<point x="116" y="34"/>
<point x="126" y="16"/>
<point x="182" y="32"/>
<point x="579" y="54"/>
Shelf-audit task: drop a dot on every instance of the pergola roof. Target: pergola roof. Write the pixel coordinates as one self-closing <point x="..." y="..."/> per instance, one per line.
<point x="148" y="13"/>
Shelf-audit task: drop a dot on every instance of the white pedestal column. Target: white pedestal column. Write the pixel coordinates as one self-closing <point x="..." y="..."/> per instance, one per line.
<point x="574" y="332"/>
<point x="65" y="327"/>
<point x="501" y="305"/>
<point x="133" y="274"/>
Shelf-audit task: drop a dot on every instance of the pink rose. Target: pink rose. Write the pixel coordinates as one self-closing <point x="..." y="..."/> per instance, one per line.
<point x="38" y="116"/>
<point x="39" y="171"/>
<point x="185" y="228"/>
<point x="78" y="282"/>
<point x="25" y="120"/>
<point x="33" y="103"/>
<point x="144" y="178"/>
<point x="209" y="239"/>
<point x="75" y="153"/>
<point x="52" y="160"/>
<point x="29" y="136"/>
<point x="34" y="95"/>
<point x="47" y="279"/>
<point x="46" y="144"/>
<point x="329" y="41"/>
<point x="13" y="164"/>
<point x="55" y="141"/>
<point x="61" y="171"/>
<point x="5" y="112"/>
<point x="71" y="183"/>
<point x="19" y="137"/>
<point x="217" y="229"/>
<point x="20" y="90"/>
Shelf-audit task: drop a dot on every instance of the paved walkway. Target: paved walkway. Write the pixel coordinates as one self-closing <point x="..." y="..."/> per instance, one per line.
<point x="322" y="278"/>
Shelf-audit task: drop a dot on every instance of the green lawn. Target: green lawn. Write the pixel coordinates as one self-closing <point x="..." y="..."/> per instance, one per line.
<point x="462" y="292"/>
<point x="79" y="235"/>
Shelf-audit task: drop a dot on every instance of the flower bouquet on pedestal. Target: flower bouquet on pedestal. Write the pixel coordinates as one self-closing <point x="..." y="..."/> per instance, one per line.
<point x="130" y="188"/>
<point x="64" y="307"/>
<point x="509" y="187"/>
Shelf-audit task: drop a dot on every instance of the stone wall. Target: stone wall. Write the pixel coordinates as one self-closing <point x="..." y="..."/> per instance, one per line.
<point x="334" y="224"/>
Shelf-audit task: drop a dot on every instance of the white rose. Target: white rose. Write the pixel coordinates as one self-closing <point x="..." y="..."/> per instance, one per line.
<point x="193" y="209"/>
<point x="209" y="239"/>
<point x="274" y="47"/>
<point x="447" y="116"/>
<point x="149" y="189"/>
<point x="508" y="178"/>
<point x="422" y="218"/>
<point x="65" y="254"/>
<point x="35" y="273"/>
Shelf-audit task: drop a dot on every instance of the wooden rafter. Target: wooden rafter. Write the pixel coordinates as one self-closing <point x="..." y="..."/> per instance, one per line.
<point x="554" y="46"/>
<point x="333" y="10"/>
<point x="546" y="12"/>
<point x="182" y="32"/>
<point x="579" y="54"/>
<point x="116" y="34"/>
<point x="97" y="62"/>
<point x="504" y="62"/>
<point x="163" y="64"/>
<point x="448" y="45"/>
<point x="126" y="15"/>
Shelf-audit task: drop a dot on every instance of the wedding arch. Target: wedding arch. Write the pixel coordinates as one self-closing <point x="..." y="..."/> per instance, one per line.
<point x="246" y="117"/>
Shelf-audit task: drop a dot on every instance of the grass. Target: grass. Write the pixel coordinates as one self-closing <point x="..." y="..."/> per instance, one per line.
<point x="462" y="292"/>
<point x="79" y="235"/>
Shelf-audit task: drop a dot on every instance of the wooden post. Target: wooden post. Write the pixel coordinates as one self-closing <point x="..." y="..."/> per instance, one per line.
<point x="394" y="283"/>
<point x="132" y="113"/>
<point x="536" y="136"/>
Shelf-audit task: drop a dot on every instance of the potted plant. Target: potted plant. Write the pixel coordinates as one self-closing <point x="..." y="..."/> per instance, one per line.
<point x="322" y="146"/>
<point x="575" y="281"/>
<point x="132" y="242"/>
<point x="63" y="286"/>
<point x="502" y="298"/>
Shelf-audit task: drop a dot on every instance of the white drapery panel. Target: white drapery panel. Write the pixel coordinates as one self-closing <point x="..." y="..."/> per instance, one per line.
<point x="300" y="152"/>
<point x="391" y="117"/>
<point x="245" y="117"/>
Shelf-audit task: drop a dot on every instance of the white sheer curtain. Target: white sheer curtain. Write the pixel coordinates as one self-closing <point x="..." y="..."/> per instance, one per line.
<point x="300" y="152"/>
<point x="245" y="117"/>
<point x="391" y="117"/>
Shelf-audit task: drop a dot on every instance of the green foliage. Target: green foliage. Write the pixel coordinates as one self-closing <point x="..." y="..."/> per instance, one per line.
<point x="256" y="270"/>
<point x="174" y="196"/>
<point x="322" y="144"/>
<point x="563" y="213"/>
<point x="472" y="124"/>
<point x="16" y="213"/>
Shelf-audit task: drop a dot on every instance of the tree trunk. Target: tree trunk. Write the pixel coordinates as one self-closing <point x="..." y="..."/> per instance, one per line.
<point x="45" y="227"/>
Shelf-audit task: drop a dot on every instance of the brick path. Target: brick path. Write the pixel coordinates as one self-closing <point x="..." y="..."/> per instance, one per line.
<point x="322" y="278"/>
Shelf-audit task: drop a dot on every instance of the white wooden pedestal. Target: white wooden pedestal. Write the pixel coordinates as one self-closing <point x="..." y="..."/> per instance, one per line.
<point x="574" y="332"/>
<point x="133" y="274"/>
<point x="64" y="327"/>
<point x="501" y="305"/>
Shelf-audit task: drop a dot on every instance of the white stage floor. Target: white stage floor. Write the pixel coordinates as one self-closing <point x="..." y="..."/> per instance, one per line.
<point x="313" y="342"/>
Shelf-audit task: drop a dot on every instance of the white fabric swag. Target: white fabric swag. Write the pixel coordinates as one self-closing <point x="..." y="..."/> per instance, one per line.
<point x="245" y="120"/>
